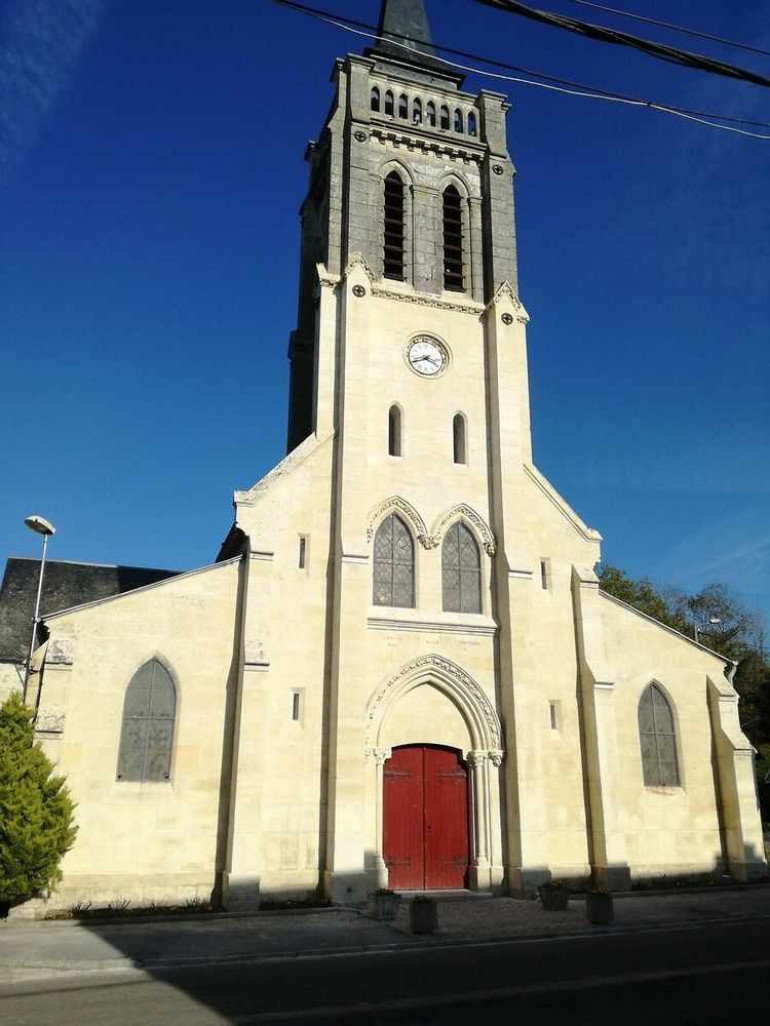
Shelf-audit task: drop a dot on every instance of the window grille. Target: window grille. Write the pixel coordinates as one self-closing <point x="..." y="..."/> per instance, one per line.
<point x="389" y="103"/>
<point x="658" y="739"/>
<point x="453" y="240"/>
<point x="393" y="564"/>
<point x="375" y="101"/>
<point x="471" y="123"/>
<point x="461" y="571"/>
<point x="394" y="431"/>
<point x="444" y="118"/>
<point x="149" y="709"/>
<point x="458" y="438"/>
<point x="393" y="256"/>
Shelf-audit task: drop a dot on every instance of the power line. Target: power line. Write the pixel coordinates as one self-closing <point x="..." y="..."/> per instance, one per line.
<point x="674" y="28"/>
<point x="606" y="35"/>
<point x="369" y="31"/>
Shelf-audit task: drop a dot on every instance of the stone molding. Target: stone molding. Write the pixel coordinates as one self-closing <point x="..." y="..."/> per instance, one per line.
<point x="397" y="504"/>
<point x="391" y="136"/>
<point x="394" y="623"/>
<point x="50" y="721"/>
<point x="505" y="291"/>
<point x="477" y="710"/>
<point x="462" y="511"/>
<point x="545" y="486"/>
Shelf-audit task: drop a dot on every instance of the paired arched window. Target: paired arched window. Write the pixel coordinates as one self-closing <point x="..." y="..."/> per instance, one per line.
<point x="458" y="439"/>
<point x="471" y="123"/>
<point x="393" y="564"/>
<point x="460" y="571"/>
<point x="394" y="431"/>
<point x="430" y="113"/>
<point x="149" y="710"/>
<point x="389" y="102"/>
<point x="458" y="121"/>
<point x="444" y="122"/>
<point x="393" y="244"/>
<point x="403" y="106"/>
<point x="453" y="240"/>
<point x="375" y="98"/>
<point x="658" y="739"/>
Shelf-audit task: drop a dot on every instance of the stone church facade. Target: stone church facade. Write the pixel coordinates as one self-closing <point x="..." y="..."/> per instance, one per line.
<point x="401" y="669"/>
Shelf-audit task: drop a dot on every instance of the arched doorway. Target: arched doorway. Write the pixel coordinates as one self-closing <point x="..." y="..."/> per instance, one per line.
<point x="425" y="818"/>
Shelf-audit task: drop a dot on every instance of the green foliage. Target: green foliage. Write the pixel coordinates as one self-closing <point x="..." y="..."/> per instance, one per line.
<point x="36" y="812"/>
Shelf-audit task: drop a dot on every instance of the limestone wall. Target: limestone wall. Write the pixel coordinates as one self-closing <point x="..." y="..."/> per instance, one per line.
<point x="142" y="841"/>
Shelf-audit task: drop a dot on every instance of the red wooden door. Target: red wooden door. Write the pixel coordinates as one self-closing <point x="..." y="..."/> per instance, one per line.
<point x="425" y="818"/>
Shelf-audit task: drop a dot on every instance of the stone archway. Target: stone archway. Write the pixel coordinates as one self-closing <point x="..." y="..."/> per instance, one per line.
<point x="481" y="749"/>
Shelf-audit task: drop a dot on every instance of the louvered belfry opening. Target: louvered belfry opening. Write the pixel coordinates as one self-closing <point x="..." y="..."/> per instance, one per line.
<point x="453" y="240"/>
<point x="393" y="257"/>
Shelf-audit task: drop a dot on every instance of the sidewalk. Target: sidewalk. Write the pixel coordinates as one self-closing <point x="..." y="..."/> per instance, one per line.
<point x="34" y="950"/>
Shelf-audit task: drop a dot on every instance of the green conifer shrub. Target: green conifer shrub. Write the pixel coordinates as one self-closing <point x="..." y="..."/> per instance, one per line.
<point x="36" y="811"/>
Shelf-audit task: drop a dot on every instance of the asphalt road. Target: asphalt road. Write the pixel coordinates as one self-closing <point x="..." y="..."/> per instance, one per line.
<point x="705" y="974"/>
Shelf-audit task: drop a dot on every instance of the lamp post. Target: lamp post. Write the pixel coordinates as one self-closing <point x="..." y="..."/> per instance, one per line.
<point x="698" y="627"/>
<point x="40" y="526"/>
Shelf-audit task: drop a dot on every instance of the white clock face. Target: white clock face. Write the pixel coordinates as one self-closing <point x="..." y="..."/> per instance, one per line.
<point x="426" y="356"/>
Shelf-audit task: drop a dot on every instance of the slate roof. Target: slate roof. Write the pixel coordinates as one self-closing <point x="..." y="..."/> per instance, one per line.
<point x="65" y="584"/>
<point x="405" y="22"/>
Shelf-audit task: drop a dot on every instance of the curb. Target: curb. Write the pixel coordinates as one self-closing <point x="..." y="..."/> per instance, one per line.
<point x="12" y="923"/>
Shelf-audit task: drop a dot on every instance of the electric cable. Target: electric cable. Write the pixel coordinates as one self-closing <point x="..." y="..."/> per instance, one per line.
<point x="674" y="28"/>
<point x="588" y="92"/>
<point x="606" y="35"/>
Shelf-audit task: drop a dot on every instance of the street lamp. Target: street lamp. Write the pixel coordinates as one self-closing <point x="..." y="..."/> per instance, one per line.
<point x="713" y="621"/>
<point x="40" y="526"/>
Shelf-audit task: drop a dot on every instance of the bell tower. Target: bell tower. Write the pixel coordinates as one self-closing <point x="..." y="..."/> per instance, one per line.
<point x="401" y="131"/>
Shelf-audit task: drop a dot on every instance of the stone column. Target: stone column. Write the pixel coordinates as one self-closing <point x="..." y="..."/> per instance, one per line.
<point x="479" y="877"/>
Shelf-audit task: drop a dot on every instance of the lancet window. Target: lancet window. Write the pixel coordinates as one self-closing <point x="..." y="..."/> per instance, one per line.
<point x="393" y="564"/>
<point x="460" y="571"/>
<point x="149" y="711"/>
<point x="393" y="238"/>
<point x="658" y="739"/>
<point x="453" y="240"/>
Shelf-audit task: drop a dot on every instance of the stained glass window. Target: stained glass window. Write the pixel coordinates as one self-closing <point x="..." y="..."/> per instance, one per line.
<point x="658" y="739"/>
<point x="149" y="709"/>
<point x="393" y="564"/>
<point x="461" y="571"/>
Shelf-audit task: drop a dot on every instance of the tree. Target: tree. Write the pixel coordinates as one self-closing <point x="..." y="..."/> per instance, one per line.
<point x="36" y="811"/>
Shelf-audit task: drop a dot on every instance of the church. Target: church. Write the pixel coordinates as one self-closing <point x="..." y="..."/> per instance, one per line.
<point x="400" y="671"/>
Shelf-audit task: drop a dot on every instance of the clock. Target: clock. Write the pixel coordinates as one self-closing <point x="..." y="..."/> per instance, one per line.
<point x="426" y="355"/>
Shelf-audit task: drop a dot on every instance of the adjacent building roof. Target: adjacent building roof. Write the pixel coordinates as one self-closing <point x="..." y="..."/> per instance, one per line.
<point x="65" y="584"/>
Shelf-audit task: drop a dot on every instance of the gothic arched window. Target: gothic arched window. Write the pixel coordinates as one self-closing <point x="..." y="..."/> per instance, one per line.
<point x="658" y="739"/>
<point x="393" y="564"/>
<point x="460" y="571"/>
<point x="403" y="106"/>
<point x="394" y="431"/>
<point x="453" y="240"/>
<point x="458" y="121"/>
<point x="430" y="113"/>
<point x="389" y="102"/>
<point x="417" y="111"/>
<point x="375" y="100"/>
<point x="444" y="123"/>
<point x="458" y="438"/>
<point x="471" y="123"/>
<point x="149" y="709"/>
<point x="393" y="244"/>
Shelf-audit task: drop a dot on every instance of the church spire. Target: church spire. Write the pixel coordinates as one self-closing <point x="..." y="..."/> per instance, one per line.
<point x="406" y="22"/>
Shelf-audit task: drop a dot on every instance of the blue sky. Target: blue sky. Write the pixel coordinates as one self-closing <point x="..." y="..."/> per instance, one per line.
<point x="150" y="176"/>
